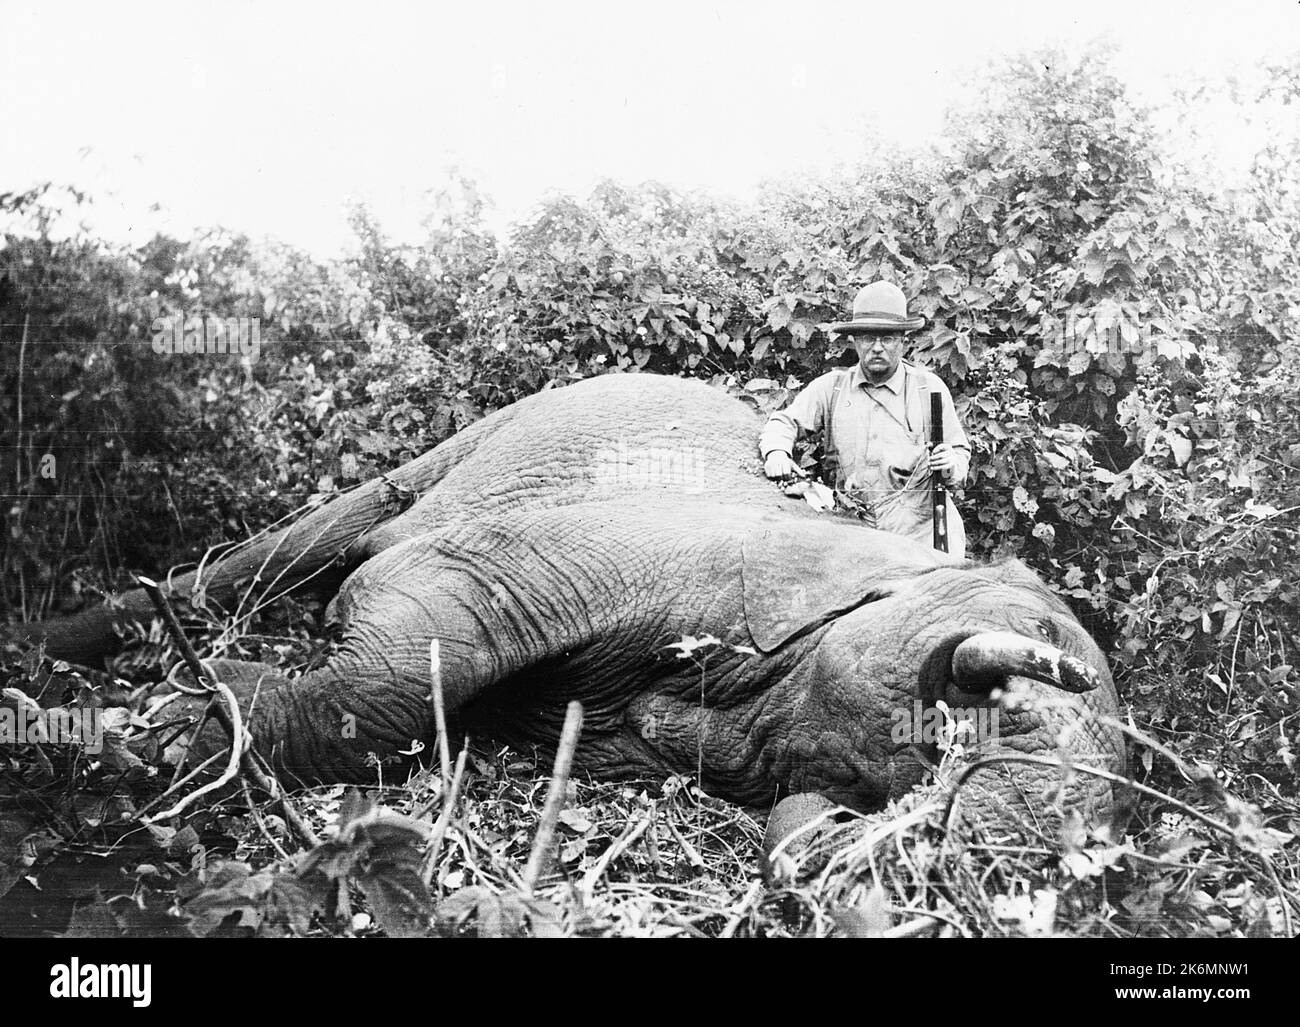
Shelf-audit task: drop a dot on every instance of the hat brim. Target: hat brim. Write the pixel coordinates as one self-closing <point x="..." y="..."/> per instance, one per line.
<point x="870" y="325"/>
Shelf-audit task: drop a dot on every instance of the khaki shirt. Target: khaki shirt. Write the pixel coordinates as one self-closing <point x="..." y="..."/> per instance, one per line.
<point x="877" y="443"/>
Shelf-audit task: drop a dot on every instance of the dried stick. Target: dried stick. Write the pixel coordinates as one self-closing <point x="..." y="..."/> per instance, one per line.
<point x="253" y="764"/>
<point x="741" y="908"/>
<point x="911" y="928"/>
<point x="263" y="601"/>
<point x="239" y="742"/>
<point x="439" y="712"/>
<point x="198" y="727"/>
<point x="692" y="854"/>
<point x="202" y="679"/>
<point x="260" y="821"/>
<point x="652" y="839"/>
<point x="554" y="797"/>
<point x="624" y="841"/>
<point x="1284" y="898"/>
<point x="449" y="798"/>
<point x="18" y="447"/>
<point x="171" y="790"/>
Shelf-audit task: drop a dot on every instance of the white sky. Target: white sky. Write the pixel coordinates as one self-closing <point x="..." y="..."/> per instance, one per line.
<point x="264" y="117"/>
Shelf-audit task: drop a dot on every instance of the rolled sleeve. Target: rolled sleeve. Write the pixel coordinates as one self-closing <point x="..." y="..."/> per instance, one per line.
<point x="806" y="413"/>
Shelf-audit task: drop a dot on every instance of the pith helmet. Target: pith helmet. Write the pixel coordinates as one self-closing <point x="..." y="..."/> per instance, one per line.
<point x="879" y="307"/>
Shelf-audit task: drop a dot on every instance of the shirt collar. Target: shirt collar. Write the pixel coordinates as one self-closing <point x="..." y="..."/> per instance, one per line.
<point x="894" y="383"/>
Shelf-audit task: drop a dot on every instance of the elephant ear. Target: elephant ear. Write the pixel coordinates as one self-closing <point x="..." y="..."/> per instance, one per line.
<point x="797" y="577"/>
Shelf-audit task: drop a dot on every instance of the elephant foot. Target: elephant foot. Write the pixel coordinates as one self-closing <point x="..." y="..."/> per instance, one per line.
<point x="797" y="822"/>
<point x="251" y="683"/>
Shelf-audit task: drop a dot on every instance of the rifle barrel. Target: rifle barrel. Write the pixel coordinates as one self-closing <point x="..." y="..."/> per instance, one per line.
<point x="938" y="491"/>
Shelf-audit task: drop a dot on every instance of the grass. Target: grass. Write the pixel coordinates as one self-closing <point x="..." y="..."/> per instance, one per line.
<point x="1210" y="850"/>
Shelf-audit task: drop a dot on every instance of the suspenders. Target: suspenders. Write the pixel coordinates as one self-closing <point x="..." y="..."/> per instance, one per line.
<point x="913" y="382"/>
<point x="830" y="456"/>
<point x="923" y="393"/>
<point x="898" y="506"/>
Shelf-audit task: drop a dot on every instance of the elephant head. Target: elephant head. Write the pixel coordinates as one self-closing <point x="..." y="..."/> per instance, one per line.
<point x="990" y="643"/>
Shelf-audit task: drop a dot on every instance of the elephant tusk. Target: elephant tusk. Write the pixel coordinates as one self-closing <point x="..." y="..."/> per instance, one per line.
<point x="986" y="660"/>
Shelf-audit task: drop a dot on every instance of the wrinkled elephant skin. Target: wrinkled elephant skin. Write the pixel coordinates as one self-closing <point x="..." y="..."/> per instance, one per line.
<point x="558" y="548"/>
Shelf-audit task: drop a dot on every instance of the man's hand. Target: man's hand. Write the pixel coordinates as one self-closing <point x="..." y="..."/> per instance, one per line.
<point x="781" y="465"/>
<point x="943" y="460"/>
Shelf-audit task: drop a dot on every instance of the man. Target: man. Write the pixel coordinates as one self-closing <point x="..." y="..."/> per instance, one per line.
<point x="874" y="422"/>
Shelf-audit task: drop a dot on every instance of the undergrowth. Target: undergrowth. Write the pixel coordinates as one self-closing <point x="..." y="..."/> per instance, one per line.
<point x="1208" y="850"/>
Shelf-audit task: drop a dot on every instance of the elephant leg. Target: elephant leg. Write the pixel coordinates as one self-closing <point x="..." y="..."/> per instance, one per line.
<point x="334" y="725"/>
<point x="251" y="683"/>
<point x="373" y="700"/>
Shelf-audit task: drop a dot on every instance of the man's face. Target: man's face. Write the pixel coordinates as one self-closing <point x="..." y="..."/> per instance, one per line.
<point x="879" y="353"/>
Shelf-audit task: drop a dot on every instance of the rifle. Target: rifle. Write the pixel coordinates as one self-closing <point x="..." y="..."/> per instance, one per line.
<point x="938" y="490"/>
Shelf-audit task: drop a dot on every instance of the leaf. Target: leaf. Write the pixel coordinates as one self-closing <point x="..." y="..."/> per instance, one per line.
<point x="1087" y="863"/>
<point x="496" y="916"/>
<point x="814" y="493"/>
<point x="1036" y="915"/>
<point x="116" y="725"/>
<point x="356" y="804"/>
<point x="1176" y="849"/>
<point x="397" y="894"/>
<point x="545" y="919"/>
<point x="1260" y="511"/>
<point x="1180" y="446"/>
<point x="870" y="919"/>
<point x="231" y="890"/>
<point x="1023" y="502"/>
<point x="183" y="841"/>
<point x="689" y="644"/>
<point x="383" y="852"/>
<point x="377" y="444"/>
<point x="574" y="820"/>
<point x="1094" y="268"/>
<point x="292" y="902"/>
<point x="93" y="919"/>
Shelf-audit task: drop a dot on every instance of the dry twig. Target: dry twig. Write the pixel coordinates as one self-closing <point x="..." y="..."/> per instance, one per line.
<point x="253" y="764"/>
<point x="449" y="799"/>
<point x="555" y="797"/>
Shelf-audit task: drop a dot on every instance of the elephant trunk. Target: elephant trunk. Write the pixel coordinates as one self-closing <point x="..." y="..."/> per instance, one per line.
<point x="321" y="548"/>
<point x="984" y="661"/>
<point x="84" y="637"/>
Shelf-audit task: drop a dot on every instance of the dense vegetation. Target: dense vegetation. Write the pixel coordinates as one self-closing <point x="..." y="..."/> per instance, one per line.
<point x="1116" y="327"/>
